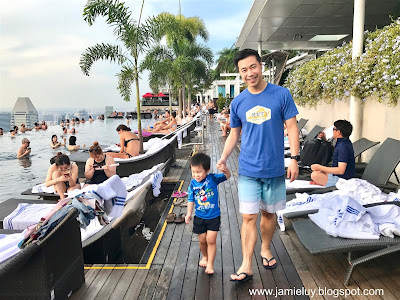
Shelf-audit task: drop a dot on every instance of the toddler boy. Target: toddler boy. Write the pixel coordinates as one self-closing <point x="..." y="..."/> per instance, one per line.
<point x="203" y="194"/>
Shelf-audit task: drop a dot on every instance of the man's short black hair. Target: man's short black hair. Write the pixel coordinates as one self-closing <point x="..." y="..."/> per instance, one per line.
<point x="345" y="127"/>
<point x="244" y="54"/>
<point x="201" y="159"/>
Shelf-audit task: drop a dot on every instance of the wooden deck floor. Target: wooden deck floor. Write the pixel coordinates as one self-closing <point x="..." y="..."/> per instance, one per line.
<point x="172" y="271"/>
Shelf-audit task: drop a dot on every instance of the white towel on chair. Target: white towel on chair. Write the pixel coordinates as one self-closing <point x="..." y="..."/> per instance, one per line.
<point x="156" y="179"/>
<point x="25" y="215"/>
<point x="111" y="194"/>
<point x="9" y="245"/>
<point x="41" y="188"/>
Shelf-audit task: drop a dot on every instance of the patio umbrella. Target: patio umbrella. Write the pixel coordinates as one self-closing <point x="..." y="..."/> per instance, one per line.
<point x="161" y="95"/>
<point x="148" y="95"/>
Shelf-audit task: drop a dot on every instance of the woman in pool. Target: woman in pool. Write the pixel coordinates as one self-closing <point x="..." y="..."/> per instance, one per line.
<point x="63" y="175"/>
<point x="55" y="143"/>
<point x="129" y="143"/>
<point x="98" y="167"/>
<point x="172" y="125"/>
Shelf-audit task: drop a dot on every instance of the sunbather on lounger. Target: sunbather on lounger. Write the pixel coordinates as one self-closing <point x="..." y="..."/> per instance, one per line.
<point x="98" y="167"/>
<point x="129" y="143"/>
<point x="343" y="162"/>
<point x="172" y="125"/>
<point x="63" y="175"/>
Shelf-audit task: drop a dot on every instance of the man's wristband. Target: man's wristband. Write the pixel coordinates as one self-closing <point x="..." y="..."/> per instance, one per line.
<point x="296" y="157"/>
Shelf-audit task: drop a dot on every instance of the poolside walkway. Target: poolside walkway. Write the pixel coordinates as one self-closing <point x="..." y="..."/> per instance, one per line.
<point x="172" y="271"/>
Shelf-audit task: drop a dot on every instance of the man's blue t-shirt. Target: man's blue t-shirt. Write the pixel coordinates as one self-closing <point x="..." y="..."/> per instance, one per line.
<point x="261" y="117"/>
<point x="204" y="194"/>
<point x="344" y="153"/>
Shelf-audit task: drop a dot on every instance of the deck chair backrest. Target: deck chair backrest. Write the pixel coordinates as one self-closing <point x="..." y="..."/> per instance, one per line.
<point x="301" y="123"/>
<point x="362" y="145"/>
<point x="313" y="133"/>
<point x="383" y="162"/>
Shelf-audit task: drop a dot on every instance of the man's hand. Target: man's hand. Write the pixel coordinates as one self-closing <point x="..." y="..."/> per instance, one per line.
<point x="221" y="164"/>
<point x="316" y="167"/>
<point x="293" y="170"/>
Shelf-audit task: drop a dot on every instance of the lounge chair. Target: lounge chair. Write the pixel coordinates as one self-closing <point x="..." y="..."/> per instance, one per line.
<point x="301" y="123"/>
<point x="49" y="269"/>
<point x="316" y="241"/>
<point x="379" y="169"/>
<point x="313" y="133"/>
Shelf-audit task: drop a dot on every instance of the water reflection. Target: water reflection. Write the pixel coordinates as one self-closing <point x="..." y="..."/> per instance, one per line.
<point x="25" y="162"/>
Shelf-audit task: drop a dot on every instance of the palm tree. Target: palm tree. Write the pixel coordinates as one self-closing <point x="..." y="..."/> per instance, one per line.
<point x="225" y="63"/>
<point x="177" y="30"/>
<point x="136" y="37"/>
<point x="181" y="64"/>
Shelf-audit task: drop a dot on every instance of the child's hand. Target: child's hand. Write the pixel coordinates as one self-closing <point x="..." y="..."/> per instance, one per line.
<point x="187" y="218"/>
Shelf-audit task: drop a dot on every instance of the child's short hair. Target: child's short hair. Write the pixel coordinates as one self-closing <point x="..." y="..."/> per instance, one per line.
<point x="201" y="159"/>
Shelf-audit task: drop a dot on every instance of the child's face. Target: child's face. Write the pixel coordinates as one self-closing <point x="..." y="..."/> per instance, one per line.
<point x="198" y="173"/>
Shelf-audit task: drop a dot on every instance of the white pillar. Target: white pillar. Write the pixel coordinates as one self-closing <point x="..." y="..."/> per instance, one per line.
<point x="356" y="105"/>
<point x="259" y="47"/>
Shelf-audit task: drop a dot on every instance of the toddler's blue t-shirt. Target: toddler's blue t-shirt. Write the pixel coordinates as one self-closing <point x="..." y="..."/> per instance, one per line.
<point x="204" y="194"/>
<point x="261" y="117"/>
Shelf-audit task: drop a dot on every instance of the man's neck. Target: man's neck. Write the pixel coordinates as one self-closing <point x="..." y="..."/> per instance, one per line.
<point x="259" y="88"/>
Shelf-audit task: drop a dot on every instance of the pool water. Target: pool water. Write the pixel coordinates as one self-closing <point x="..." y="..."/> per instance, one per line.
<point x="18" y="175"/>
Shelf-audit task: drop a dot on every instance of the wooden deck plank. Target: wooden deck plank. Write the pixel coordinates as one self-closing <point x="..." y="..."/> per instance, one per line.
<point x="108" y="288"/>
<point x="150" y="282"/>
<point x="189" y="282"/>
<point x="136" y="285"/>
<point x="123" y="284"/>
<point x="97" y="284"/>
<point x="90" y="276"/>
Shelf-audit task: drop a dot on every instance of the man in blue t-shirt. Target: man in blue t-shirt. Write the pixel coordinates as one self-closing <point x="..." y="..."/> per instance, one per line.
<point x="343" y="162"/>
<point x="260" y="112"/>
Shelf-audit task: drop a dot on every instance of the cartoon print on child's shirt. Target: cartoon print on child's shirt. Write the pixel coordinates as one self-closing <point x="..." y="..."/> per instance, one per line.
<point x="202" y="195"/>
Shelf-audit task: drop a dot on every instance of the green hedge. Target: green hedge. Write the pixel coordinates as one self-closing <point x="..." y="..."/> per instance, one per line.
<point x="334" y="75"/>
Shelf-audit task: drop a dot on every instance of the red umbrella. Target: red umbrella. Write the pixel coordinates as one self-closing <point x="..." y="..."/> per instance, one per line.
<point x="148" y="95"/>
<point x="161" y="95"/>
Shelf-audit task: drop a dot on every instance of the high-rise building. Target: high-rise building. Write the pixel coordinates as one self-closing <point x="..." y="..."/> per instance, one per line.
<point x="5" y="118"/>
<point x="24" y="112"/>
<point x="108" y="111"/>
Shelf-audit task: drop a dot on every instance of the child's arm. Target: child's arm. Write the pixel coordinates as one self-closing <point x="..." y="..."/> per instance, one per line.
<point x="225" y="170"/>
<point x="189" y="212"/>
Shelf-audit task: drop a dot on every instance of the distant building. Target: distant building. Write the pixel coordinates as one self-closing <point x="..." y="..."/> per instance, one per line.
<point x="82" y="114"/>
<point x="108" y="111"/>
<point x="24" y="112"/>
<point x="5" y="119"/>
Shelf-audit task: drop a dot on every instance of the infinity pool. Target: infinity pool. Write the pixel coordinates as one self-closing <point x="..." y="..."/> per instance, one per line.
<point x="17" y="175"/>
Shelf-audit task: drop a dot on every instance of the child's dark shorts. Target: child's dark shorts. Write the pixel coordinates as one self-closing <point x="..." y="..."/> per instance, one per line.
<point x="202" y="225"/>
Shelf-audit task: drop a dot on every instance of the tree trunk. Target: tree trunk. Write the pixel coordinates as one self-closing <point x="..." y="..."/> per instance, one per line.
<point x="188" y="101"/>
<point x="180" y="102"/>
<point x="183" y="102"/>
<point x="139" y="118"/>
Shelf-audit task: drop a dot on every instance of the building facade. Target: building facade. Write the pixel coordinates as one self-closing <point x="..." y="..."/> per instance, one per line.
<point x="24" y="112"/>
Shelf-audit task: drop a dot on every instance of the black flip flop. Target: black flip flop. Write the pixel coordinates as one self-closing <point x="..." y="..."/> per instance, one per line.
<point x="246" y="278"/>
<point x="268" y="260"/>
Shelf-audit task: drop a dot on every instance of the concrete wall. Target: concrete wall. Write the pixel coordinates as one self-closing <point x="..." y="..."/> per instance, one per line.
<point x="380" y="121"/>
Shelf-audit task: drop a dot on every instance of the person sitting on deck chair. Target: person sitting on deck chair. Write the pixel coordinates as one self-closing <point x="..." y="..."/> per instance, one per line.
<point x="129" y="143"/>
<point x="343" y="162"/>
<point x="98" y="167"/>
<point x="172" y="125"/>
<point x="159" y="125"/>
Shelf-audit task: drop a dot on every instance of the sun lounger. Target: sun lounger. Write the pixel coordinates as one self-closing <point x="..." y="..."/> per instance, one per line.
<point x="49" y="269"/>
<point x="301" y="123"/>
<point x="313" y="133"/>
<point x="379" y="169"/>
<point x="316" y="241"/>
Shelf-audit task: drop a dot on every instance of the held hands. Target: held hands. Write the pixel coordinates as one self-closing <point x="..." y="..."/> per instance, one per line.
<point x="221" y="165"/>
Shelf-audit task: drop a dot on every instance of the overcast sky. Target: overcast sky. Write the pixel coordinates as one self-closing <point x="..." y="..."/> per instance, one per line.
<point x="41" y="43"/>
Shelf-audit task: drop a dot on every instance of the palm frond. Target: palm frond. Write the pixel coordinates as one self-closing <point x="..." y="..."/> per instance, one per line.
<point x="103" y="52"/>
<point x="125" y="80"/>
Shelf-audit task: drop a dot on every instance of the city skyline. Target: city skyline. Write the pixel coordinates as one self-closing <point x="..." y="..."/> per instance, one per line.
<point x="39" y="54"/>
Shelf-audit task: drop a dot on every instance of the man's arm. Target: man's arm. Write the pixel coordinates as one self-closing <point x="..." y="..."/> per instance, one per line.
<point x="293" y="134"/>
<point x="339" y="170"/>
<point x="230" y="145"/>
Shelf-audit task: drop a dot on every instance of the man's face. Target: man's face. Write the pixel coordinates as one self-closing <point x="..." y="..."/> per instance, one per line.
<point x="251" y="71"/>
